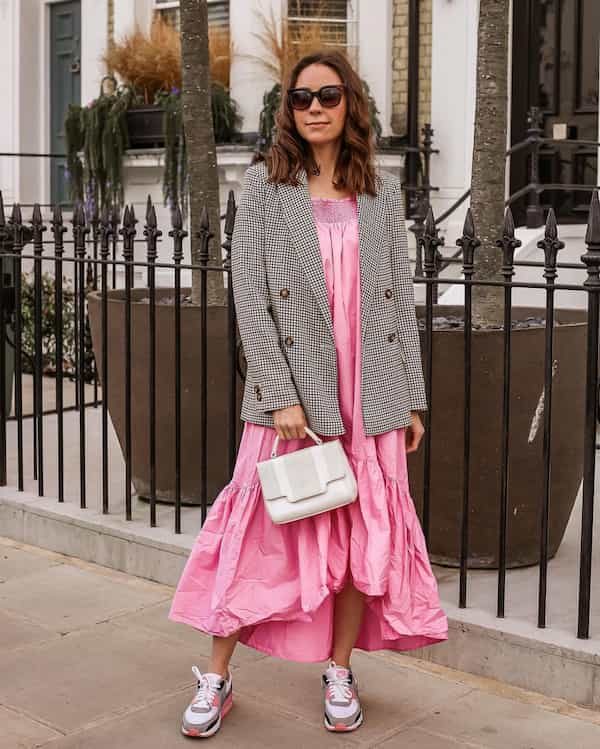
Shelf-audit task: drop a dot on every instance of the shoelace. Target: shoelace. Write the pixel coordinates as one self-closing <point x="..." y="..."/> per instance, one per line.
<point x="206" y="690"/>
<point x="338" y="688"/>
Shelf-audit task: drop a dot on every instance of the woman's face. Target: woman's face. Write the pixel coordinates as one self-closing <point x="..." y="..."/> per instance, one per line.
<point x="318" y="124"/>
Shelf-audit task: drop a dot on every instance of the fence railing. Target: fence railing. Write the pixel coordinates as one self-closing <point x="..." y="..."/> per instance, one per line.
<point x="90" y="355"/>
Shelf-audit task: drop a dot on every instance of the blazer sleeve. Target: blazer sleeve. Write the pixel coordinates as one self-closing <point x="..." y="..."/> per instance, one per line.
<point x="267" y="366"/>
<point x="405" y="300"/>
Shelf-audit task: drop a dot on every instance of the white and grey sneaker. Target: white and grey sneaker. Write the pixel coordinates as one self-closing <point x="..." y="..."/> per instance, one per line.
<point x="212" y="702"/>
<point x="342" y="706"/>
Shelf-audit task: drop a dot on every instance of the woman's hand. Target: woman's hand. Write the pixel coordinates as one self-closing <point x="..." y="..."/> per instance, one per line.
<point x="414" y="432"/>
<point x="290" y="422"/>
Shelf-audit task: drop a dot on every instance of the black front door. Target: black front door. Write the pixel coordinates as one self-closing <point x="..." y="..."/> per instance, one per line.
<point x="555" y="67"/>
<point x="65" y="51"/>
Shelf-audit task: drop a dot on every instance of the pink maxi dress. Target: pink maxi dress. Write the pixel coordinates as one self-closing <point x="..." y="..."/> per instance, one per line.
<point x="276" y="583"/>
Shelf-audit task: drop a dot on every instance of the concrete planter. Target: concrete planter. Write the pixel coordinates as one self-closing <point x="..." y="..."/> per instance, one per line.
<point x="217" y="404"/>
<point x="526" y="433"/>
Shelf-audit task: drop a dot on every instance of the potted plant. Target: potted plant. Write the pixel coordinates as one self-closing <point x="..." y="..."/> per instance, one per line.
<point x="141" y="111"/>
<point x="201" y="131"/>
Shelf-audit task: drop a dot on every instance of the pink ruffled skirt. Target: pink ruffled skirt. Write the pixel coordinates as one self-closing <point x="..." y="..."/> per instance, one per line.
<point x="276" y="584"/>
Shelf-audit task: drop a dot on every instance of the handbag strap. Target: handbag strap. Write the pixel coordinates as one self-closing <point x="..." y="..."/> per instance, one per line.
<point x="308" y="430"/>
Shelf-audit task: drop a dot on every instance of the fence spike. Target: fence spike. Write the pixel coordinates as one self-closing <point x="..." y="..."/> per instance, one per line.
<point x="508" y="243"/>
<point x="430" y="228"/>
<point x="469" y="243"/>
<point x="551" y="230"/>
<point x="148" y="206"/>
<point x="230" y="213"/>
<point x="57" y="217"/>
<point x="126" y="216"/>
<point x="114" y="215"/>
<point x="469" y="224"/>
<point x="177" y="219"/>
<point x="431" y="241"/>
<point x="592" y="234"/>
<point x="16" y="217"/>
<point x="151" y="232"/>
<point x="204" y="220"/>
<point x="2" y="216"/>
<point x="36" y="218"/>
<point x="78" y="215"/>
<point x="551" y="245"/>
<point x="508" y="229"/>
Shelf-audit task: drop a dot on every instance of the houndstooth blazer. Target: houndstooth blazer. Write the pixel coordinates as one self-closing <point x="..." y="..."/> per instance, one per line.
<point x="284" y="317"/>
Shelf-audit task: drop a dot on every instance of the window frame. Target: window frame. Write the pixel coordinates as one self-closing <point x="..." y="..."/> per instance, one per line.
<point x="350" y="22"/>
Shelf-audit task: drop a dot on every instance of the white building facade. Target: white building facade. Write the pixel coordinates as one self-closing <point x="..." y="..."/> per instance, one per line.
<point x="46" y="39"/>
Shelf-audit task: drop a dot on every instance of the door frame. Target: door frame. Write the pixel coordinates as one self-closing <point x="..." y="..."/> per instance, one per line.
<point x="521" y="88"/>
<point x="45" y="92"/>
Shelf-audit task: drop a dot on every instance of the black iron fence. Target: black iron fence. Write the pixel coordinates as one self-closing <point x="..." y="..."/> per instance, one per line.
<point x="131" y="365"/>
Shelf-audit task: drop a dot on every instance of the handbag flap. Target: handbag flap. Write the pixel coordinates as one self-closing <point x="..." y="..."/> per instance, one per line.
<point x="302" y="473"/>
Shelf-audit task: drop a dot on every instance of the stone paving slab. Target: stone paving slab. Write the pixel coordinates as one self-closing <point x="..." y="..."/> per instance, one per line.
<point x="17" y="632"/>
<point x="15" y="562"/>
<point x="120" y="677"/>
<point x="19" y="732"/>
<point x="154" y="618"/>
<point x="75" y="603"/>
<point x="493" y="721"/>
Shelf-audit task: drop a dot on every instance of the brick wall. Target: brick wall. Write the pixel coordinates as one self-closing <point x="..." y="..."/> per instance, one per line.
<point x="400" y="65"/>
<point x="110" y="30"/>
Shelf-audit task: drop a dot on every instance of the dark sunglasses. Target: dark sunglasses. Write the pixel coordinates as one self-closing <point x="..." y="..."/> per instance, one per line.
<point x="328" y="96"/>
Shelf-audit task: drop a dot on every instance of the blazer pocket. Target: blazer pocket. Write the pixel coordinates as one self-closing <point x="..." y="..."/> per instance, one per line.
<point x="400" y="346"/>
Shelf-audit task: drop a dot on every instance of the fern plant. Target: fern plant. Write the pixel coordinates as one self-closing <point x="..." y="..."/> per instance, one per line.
<point x="98" y="132"/>
<point x="226" y="124"/>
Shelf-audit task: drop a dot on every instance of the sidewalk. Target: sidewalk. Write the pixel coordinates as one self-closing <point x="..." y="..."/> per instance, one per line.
<point x="89" y="659"/>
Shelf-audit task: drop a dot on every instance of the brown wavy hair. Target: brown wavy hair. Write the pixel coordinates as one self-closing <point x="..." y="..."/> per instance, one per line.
<point x="355" y="167"/>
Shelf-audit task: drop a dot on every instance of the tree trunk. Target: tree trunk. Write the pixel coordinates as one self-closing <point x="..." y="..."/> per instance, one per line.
<point x="200" y="143"/>
<point x="489" y="155"/>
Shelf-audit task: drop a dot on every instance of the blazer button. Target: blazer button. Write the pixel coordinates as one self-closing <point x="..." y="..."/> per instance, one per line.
<point x="289" y="340"/>
<point x="258" y="397"/>
<point x="388" y="293"/>
<point x="391" y="337"/>
<point x="284" y="293"/>
<point x="257" y="388"/>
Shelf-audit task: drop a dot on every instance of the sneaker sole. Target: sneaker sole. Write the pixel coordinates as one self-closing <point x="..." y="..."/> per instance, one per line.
<point x="196" y="734"/>
<point x="342" y="727"/>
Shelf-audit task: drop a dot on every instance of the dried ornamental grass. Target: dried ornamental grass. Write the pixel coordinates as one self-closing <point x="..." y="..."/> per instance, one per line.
<point x="220" y="52"/>
<point x="150" y="62"/>
<point x="285" y="43"/>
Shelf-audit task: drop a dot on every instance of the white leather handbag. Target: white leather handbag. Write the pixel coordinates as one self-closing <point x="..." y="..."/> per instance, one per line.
<point x="308" y="481"/>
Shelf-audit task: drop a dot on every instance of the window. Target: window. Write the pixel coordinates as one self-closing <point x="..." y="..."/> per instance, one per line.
<point x="330" y="22"/>
<point x="218" y="12"/>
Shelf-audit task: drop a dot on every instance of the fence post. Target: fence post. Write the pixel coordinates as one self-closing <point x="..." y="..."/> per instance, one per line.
<point x="591" y="258"/>
<point x="431" y="242"/>
<point x="535" y="214"/>
<point x="4" y="314"/>
<point x="231" y="328"/>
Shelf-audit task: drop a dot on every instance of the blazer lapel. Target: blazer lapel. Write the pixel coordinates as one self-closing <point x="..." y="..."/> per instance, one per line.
<point x="297" y="209"/>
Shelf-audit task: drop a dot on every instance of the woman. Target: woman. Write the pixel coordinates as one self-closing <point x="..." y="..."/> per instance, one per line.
<point x="325" y="304"/>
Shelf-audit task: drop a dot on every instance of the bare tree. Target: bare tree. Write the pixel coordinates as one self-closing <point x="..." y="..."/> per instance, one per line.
<point x="489" y="153"/>
<point x="200" y="141"/>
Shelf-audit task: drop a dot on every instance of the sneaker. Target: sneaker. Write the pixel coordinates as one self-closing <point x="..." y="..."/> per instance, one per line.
<point x="213" y="700"/>
<point x="342" y="706"/>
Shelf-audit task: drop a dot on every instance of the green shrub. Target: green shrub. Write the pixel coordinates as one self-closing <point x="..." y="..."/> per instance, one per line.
<point x="48" y="324"/>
